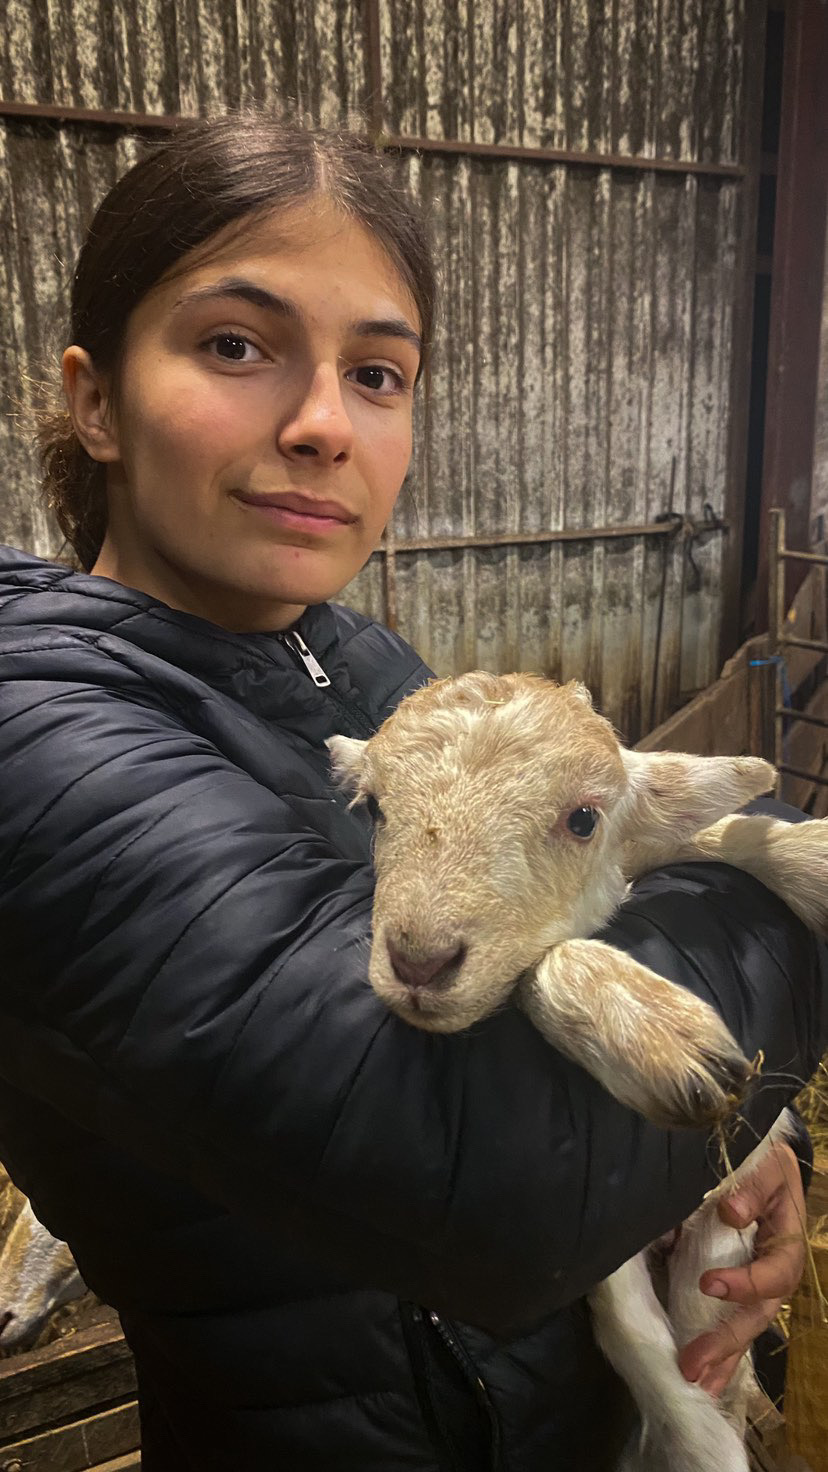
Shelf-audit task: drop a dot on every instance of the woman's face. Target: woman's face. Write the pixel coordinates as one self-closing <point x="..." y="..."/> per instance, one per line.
<point x="262" y="428"/>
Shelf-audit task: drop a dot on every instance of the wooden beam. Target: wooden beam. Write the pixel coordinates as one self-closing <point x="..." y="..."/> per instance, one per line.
<point x="65" y="1378"/>
<point x="138" y="122"/>
<point x="798" y="284"/>
<point x="78" y="1445"/>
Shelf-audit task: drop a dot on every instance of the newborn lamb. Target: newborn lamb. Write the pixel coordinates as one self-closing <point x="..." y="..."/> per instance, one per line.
<point x="509" y="822"/>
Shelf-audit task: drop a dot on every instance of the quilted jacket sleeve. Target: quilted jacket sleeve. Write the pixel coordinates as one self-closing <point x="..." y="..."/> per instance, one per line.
<point x="184" y="973"/>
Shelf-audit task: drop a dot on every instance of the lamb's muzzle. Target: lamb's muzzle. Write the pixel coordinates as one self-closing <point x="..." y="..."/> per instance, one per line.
<point x="437" y="969"/>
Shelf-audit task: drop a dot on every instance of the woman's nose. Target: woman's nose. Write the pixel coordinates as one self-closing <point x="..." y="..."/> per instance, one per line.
<point x="319" y="426"/>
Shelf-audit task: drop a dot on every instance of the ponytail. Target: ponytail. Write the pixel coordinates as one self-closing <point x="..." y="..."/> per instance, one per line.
<point x="74" y="486"/>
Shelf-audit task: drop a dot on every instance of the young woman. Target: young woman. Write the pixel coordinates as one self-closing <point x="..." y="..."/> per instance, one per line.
<point x="334" y="1242"/>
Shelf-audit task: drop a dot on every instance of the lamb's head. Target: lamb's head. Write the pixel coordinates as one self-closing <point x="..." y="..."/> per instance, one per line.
<point x="492" y="796"/>
<point x="505" y="808"/>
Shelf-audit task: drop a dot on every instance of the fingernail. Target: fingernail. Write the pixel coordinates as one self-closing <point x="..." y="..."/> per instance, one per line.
<point x="740" y="1209"/>
<point x="716" y="1289"/>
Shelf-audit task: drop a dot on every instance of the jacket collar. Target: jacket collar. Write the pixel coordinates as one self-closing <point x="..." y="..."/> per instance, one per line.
<point x="257" y="668"/>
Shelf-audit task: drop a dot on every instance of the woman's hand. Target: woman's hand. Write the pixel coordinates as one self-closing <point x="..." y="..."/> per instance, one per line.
<point x="774" y="1198"/>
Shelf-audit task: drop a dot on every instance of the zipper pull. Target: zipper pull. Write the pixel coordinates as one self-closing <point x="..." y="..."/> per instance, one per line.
<point x="295" y="642"/>
<point x="448" y="1338"/>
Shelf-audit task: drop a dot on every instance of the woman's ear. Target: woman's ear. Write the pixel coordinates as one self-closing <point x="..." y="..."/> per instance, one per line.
<point x="88" y="399"/>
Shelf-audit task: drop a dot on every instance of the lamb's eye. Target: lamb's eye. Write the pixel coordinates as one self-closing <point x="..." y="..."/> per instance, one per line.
<point x="375" y="812"/>
<point x="582" y="822"/>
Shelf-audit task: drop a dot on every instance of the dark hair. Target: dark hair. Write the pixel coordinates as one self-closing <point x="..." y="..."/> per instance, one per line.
<point x="206" y="176"/>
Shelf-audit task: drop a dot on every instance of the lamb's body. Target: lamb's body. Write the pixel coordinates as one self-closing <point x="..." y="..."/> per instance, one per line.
<point x="510" y="823"/>
<point x="37" y="1272"/>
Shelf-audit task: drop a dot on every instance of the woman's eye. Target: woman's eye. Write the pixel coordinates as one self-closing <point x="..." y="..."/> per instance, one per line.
<point x="234" y="348"/>
<point x="378" y="379"/>
<point x="582" y="822"/>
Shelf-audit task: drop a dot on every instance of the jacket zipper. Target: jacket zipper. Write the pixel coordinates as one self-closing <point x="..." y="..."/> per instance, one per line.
<point x="351" y="713"/>
<point x="413" y="1326"/>
<point x="413" y="1319"/>
<point x="447" y="1332"/>
<point x="443" y="1327"/>
<point x="295" y="642"/>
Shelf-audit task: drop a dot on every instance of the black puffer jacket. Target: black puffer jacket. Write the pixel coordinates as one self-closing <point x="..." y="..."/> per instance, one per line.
<point x="263" y="1170"/>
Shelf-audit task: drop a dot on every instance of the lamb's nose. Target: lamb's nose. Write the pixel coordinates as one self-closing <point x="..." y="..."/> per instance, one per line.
<point x="428" y="970"/>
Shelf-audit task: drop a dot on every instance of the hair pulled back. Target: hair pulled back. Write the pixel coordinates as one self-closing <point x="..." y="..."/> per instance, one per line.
<point x="206" y="176"/>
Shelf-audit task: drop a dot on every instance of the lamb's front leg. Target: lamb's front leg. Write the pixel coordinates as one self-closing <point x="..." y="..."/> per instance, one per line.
<point x="652" y="1044"/>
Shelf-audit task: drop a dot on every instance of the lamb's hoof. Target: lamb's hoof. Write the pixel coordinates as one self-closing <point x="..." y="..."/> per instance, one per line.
<point x="713" y="1086"/>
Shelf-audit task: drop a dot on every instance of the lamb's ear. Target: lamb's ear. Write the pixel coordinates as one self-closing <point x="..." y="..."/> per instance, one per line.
<point x="580" y="691"/>
<point x="674" y="795"/>
<point x="347" y="761"/>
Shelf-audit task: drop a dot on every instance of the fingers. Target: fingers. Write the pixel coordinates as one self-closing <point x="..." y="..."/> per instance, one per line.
<point x="776" y="1274"/>
<point x="774" y="1186"/>
<point x="716" y="1378"/>
<point x="774" y="1197"/>
<point x="711" y="1360"/>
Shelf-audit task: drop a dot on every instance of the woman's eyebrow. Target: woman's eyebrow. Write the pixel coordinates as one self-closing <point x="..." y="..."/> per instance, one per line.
<point x="388" y="327"/>
<point x="245" y="291"/>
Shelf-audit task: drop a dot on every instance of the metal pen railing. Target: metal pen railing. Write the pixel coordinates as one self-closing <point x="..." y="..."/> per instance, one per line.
<point x="779" y="640"/>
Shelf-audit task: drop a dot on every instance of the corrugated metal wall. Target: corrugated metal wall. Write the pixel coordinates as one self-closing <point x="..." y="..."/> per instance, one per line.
<point x="585" y="363"/>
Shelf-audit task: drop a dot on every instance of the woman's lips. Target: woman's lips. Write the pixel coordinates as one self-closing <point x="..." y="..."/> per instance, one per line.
<point x="299" y="512"/>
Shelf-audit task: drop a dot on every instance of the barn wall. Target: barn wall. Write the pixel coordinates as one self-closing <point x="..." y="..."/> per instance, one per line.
<point x="589" y="339"/>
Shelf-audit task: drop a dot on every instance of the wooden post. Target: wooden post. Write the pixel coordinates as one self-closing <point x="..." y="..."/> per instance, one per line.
<point x="806" y="1385"/>
<point x="389" y="577"/>
<point x="776" y="628"/>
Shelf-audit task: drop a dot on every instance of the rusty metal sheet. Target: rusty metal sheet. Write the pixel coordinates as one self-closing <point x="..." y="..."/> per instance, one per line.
<point x="186" y="56"/>
<point x="51" y="182"/>
<point x="625" y="76"/>
<point x="581" y="378"/>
